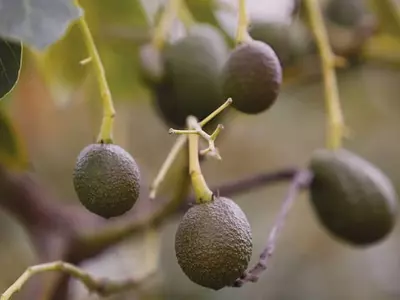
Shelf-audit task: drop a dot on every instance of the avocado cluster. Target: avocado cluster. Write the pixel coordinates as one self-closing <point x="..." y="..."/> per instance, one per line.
<point x="106" y="179"/>
<point x="213" y="243"/>
<point x="197" y="73"/>
<point x="351" y="197"/>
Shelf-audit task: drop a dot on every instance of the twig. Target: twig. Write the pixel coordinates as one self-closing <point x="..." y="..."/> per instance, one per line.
<point x="336" y="127"/>
<point x="242" y="26"/>
<point x="178" y="147"/>
<point x="101" y="287"/>
<point x="262" y="179"/>
<point x="106" y="128"/>
<point x="301" y="179"/>
<point x="167" y="18"/>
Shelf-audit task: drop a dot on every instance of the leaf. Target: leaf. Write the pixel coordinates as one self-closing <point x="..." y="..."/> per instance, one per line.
<point x="60" y="65"/>
<point x="387" y="13"/>
<point x="38" y="23"/>
<point x="10" y="65"/>
<point x="12" y="151"/>
<point x="119" y="54"/>
<point x="206" y="11"/>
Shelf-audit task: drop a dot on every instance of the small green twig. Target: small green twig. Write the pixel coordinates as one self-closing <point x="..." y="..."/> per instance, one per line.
<point x="199" y="184"/>
<point x="211" y="150"/>
<point x="336" y="127"/>
<point x="167" y="18"/>
<point x="175" y="150"/>
<point x="243" y="22"/>
<point x="101" y="287"/>
<point x="178" y="147"/>
<point x="106" y="128"/>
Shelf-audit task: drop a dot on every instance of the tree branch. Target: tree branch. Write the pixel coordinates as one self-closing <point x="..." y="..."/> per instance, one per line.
<point x="300" y="180"/>
<point x="102" y="287"/>
<point x="56" y="230"/>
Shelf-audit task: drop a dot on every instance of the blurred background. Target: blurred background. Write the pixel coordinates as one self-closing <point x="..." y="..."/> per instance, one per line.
<point x="56" y="109"/>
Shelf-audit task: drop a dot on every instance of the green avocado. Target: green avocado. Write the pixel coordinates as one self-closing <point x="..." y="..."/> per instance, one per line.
<point x="352" y="198"/>
<point x="346" y="13"/>
<point x="191" y="83"/>
<point x="289" y="41"/>
<point x="252" y="77"/>
<point x="106" y="179"/>
<point x="213" y="243"/>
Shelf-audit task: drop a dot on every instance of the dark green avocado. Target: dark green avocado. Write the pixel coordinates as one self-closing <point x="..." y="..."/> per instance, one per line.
<point x="213" y="243"/>
<point x="106" y="179"/>
<point x="289" y="41"/>
<point x="346" y="13"/>
<point x="252" y="77"/>
<point x="352" y="198"/>
<point x="191" y="83"/>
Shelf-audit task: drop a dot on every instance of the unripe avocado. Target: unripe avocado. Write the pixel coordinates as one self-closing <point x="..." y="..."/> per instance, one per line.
<point x="106" y="179"/>
<point x="352" y="198"/>
<point x="347" y="13"/>
<point x="150" y="65"/>
<point x="289" y="41"/>
<point x="252" y="77"/>
<point x="213" y="243"/>
<point x="192" y="67"/>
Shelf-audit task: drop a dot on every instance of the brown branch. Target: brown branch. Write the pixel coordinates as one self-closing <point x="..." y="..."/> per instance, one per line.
<point x="300" y="180"/>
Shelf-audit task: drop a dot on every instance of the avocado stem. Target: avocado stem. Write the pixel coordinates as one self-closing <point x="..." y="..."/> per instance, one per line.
<point x="336" y="128"/>
<point x="178" y="147"/>
<point x="168" y="16"/>
<point x="243" y="22"/>
<point x="200" y="187"/>
<point x="106" y="127"/>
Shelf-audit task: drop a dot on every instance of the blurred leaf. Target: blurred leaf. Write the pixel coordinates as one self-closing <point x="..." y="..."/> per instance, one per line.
<point x="152" y="9"/>
<point x="387" y="12"/>
<point x="120" y="55"/>
<point x="12" y="152"/>
<point x="60" y="64"/>
<point x="37" y="23"/>
<point x="10" y="65"/>
<point x="204" y="11"/>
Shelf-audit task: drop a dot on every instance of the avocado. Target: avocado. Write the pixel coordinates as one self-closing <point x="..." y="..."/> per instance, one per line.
<point x="351" y="197"/>
<point x="213" y="243"/>
<point x="150" y="65"/>
<point x="289" y="41"/>
<point x="191" y="82"/>
<point x="346" y="13"/>
<point x="252" y="77"/>
<point x="106" y="179"/>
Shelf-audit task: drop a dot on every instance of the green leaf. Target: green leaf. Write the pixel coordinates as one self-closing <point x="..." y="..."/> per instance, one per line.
<point x="12" y="151"/>
<point x="387" y="13"/>
<point x="38" y="23"/>
<point x="60" y="65"/>
<point x="10" y="65"/>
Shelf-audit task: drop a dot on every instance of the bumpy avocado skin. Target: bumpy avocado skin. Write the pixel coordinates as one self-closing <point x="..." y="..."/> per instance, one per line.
<point x="213" y="243"/>
<point x="252" y="77"/>
<point x="352" y="198"/>
<point x="106" y="179"/>
<point x="191" y="83"/>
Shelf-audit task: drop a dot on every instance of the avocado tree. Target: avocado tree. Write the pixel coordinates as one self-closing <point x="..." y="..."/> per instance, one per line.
<point x="198" y="71"/>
